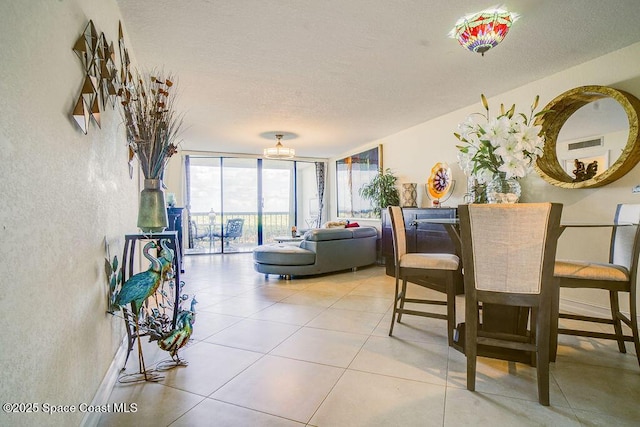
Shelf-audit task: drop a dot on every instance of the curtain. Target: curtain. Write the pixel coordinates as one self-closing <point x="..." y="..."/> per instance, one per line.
<point x="187" y="197"/>
<point x="320" y="180"/>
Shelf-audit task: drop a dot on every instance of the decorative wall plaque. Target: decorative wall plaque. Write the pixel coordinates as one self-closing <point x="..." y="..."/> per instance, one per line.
<point x="100" y="81"/>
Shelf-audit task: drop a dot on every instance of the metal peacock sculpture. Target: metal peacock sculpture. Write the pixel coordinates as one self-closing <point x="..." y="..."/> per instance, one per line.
<point x="179" y="337"/>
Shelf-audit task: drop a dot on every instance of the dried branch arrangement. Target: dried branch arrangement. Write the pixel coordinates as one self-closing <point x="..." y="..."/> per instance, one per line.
<point x="148" y="109"/>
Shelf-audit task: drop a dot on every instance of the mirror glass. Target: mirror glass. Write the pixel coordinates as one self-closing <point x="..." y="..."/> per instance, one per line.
<point x="592" y="139"/>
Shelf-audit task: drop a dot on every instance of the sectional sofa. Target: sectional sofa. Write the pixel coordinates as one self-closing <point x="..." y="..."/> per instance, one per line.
<point x="322" y="250"/>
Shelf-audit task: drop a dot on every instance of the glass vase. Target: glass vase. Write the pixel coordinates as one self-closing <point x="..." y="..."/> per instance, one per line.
<point x="476" y="192"/>
<point x="503" y="190"/>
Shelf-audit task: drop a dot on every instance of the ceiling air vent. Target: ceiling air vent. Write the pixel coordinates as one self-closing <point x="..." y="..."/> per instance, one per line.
<point x="585" y="144"/>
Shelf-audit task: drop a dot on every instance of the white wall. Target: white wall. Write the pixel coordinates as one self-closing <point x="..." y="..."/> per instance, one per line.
<point x="63" y="193"/>
<point x="412" y="152"/>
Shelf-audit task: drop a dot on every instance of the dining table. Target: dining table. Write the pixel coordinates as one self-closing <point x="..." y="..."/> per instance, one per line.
<point x="496" y="317"/>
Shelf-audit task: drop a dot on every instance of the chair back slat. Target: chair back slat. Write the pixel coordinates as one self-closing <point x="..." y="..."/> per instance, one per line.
<point x="508" y="246"/>
<point x="398" y="232"/>
<point x="625" y="240"/>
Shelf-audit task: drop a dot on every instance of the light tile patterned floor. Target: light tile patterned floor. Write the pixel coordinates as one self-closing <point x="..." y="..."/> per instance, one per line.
<point x="316" y="351"/>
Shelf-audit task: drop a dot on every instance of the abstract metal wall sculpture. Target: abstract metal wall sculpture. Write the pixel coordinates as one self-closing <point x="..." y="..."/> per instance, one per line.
<point x="100" y="80"/>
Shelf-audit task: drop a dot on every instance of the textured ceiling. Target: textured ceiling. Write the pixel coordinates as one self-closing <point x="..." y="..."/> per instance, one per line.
<point x="340" y="74"/>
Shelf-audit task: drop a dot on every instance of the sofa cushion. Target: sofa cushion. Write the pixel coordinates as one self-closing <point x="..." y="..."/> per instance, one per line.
<point x="334" y="224"/>
<point x="282" y="254"/>
<point x="364" y="232"/>
<point x="323" y="234"/>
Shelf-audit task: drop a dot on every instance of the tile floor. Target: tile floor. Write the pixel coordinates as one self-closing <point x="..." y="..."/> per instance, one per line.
<point x="316" y="352"/>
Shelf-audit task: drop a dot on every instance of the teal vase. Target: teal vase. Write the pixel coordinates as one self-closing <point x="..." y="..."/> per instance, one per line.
<point x="152" y="212"/>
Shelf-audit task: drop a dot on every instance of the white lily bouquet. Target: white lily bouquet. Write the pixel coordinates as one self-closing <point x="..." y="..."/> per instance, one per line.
<point x="504" y="147"/>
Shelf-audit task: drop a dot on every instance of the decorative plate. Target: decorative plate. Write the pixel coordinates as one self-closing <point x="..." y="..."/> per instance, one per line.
<point x="440" y="180"/>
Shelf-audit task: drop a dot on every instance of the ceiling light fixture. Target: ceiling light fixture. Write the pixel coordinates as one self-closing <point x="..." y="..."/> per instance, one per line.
<point x="279" y="151"/>
<point x="483" y="30"/>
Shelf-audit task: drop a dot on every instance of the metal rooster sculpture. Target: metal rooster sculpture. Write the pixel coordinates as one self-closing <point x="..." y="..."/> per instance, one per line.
<point x="180" y="336"/>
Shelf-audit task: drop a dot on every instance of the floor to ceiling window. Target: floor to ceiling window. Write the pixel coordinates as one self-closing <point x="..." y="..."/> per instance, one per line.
<point x="278" y="198"/>
<point x="235" y="204"/>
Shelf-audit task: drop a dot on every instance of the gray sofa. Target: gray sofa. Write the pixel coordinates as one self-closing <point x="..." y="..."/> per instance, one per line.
<point x="322" y="250"/>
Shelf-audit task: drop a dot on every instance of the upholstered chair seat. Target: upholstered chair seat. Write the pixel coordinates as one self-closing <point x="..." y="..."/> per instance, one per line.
<point x="591" y="271"/>
<point x="435" y="261"/>
<point x="437" y="271"/>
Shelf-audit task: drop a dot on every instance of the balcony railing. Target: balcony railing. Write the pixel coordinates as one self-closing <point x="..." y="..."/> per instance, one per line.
<point x="273" y="224"/>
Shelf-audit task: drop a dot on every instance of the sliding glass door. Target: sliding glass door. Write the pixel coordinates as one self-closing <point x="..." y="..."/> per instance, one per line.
<point x="239" y="203"/>
<point x="203" y="202"/>
<point x="238" y="224"/>
<point x="278" y="199"/>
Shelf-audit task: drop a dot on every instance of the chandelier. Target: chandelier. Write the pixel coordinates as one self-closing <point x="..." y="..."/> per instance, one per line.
<point x="483" y="30"/>
<point x="279" y="151"/>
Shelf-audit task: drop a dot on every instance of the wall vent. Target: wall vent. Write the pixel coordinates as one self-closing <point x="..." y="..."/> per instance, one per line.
<point x="585" y="144"/>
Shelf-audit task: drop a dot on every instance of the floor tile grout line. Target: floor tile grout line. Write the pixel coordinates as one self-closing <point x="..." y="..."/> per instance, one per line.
<point x="344" y="371"/>
<point x="594" y="364"/>
<point x="252" y="409"/>
<point x="187" y="411"/>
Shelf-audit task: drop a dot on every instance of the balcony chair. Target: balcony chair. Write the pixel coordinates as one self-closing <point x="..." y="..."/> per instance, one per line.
<point x="231" y="231"/>
<point x="508" y="257"/>
<point x="198" y="234"/>
<point x="618" y="275"/>
<point x="438" y="269"/>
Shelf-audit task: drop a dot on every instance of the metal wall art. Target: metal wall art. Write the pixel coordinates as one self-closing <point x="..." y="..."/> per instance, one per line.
<point x="100" y="80"/>
<point x="125" y="62"/>
<point x="124" y="81"/>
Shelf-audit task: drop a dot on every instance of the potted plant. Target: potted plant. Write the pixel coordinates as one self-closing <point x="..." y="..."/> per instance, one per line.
<point x="381" y="191"/>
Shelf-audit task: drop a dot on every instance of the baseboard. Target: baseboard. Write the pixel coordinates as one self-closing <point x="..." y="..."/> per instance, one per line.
<point x="101" y="397"/>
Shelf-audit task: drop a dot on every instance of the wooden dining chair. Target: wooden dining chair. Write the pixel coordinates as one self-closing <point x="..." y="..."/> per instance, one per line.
<point x="508" y="253"/>
<point x="618" y="275"/>
<point x="437" y="271"/>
